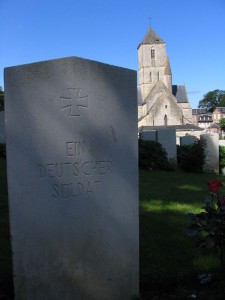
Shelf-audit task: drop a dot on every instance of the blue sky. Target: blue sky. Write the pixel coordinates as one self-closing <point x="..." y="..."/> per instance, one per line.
<point x="110" y="31"/>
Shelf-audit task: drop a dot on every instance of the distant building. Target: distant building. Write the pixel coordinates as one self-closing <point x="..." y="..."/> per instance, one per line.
<point x="196" y="112"/>
<point x="214" y="127"/>
<point x="208" y="121"/>
<point x="218" y="113"/>
<point x="160" y="103"/>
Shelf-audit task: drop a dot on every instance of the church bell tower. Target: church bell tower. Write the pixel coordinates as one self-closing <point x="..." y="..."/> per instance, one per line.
<point x="153" y="62"/>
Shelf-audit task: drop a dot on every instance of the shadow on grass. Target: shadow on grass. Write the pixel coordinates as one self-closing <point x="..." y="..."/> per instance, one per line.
<point x="6" y="274"/>
<point x="168" y="262"/>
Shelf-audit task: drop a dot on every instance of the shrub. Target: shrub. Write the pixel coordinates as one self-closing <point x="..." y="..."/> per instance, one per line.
<point x="221" y="157"/>
<point x="209" y="226"/>
<point x="152" y="156"/>
<point x="191" y="158"/>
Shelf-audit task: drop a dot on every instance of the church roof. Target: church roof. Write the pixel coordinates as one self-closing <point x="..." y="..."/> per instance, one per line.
<point x="179" y="91"/>
<point x="167" y="70"/>
<point x="151" y="37"/>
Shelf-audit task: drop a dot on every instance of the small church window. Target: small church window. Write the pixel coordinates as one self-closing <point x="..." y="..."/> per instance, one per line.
<point x="165" y="106"/>
<point x="158" y="75"/>
<point x="165" y="120"/>
<point x="150" y="76"/>
<point x="152" y="53"/>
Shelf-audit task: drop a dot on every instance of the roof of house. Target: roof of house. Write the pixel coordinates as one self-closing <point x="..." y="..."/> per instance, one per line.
<point x="151" y="37"/>
<point x="199" y="111"/>
<point x="221" y="109"/>
<point x="205" y="119"/>
<point x="214" y="125"/>
<point x="179" y="91"/>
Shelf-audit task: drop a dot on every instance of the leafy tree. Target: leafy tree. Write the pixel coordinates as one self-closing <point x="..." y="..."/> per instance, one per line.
<point x="213" y="99"/>
<point x="1" y="99"/>
<point x="222" y="123"/>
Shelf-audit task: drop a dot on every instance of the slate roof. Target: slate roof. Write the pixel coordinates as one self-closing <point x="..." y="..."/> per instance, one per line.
<point x="221" y="109"/>
<point x="151" y="37"/>
<point x="214" y="125"/>
<point x="199" y="111"/>
<point x="167" y="70"/>
<point x="205" y="118"/>
<point x="179" y="91"/>
<point x="139" y="95"/>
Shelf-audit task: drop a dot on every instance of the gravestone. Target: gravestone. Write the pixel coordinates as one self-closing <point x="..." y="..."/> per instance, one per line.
<point x="211" y="151"/>
<point x="222" y="143"/>
<point x="148" y="135"/>
<point x="187" y="140"/>
<point x="71" y="132"/>
<point x="167" y="138"/>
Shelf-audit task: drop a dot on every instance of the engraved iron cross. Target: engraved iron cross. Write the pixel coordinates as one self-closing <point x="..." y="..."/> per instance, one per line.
<point x="73" y="102"/>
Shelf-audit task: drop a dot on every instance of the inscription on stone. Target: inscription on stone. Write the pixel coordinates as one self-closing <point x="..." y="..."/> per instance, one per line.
<point x="94" y="172"/>
<point x="71" y="136"/>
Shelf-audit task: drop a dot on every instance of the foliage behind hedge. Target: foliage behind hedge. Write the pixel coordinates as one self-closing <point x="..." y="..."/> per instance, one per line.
<point x="191" y="158"/>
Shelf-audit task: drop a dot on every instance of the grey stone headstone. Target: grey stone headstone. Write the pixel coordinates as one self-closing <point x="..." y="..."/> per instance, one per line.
<point x="149" y="135"/>
<point x="222" y="143"/>
<point x="2" y="127"/>
<point x="167" y="138"/>
<point x="212" y="152"/>
<point x="71" y="130"/>
<point x="187" y="140"/>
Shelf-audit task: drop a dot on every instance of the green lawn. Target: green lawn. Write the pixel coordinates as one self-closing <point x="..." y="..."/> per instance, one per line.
<point x="167" y="259"/>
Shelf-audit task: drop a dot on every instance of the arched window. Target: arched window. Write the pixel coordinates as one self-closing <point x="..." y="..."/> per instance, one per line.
<point x="158" y="76"/>
<point x="165" y="120"/>
<point x="150" y="76"/>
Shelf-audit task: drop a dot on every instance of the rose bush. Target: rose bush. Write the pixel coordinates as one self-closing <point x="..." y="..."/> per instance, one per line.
<point x="209" y="224"/>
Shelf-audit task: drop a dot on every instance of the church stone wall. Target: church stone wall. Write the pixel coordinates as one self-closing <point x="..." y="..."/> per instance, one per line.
<point x="163" y="108"/>
<point x="168" y="82"/>
<point x="160" y="54"/>
<point x="155" y="84"/>
<point x="187" y="112"/>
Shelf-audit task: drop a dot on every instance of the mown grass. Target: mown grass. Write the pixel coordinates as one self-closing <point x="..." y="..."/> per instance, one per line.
<point x="6" y="277"/>
<point x="167" y="258"/>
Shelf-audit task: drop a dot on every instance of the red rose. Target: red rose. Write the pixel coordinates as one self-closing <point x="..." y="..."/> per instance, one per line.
<point x="214" y="186"/>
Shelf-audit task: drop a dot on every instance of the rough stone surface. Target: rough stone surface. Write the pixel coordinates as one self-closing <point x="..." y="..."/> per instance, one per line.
<point x="71" y="130"/>
<point x="212" y="152"/>
<point x="2" y="127"/>
<point x="167" y="138"/>
<point x="149" y="135"/>
<point x="187" y="140"/>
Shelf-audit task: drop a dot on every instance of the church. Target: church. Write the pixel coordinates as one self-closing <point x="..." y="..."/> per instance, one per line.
<point x="160" y="103"/>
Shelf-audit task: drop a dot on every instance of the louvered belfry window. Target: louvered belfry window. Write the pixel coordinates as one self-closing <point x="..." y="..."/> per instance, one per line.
<point x="152" y="53"/>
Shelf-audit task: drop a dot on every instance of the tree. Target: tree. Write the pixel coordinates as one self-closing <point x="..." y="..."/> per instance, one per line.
<point x="1" y="99"/>
<point x="212" y="100"/>
<point x="222" y="123"/>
